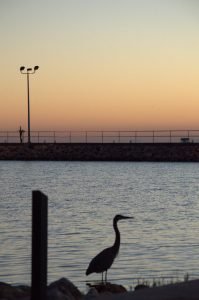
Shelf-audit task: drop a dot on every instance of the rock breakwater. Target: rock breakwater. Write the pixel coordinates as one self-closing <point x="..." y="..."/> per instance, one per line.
<point x="178" y="152"/>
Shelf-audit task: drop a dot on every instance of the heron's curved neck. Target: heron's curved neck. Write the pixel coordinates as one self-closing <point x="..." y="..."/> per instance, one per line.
<point x="117" y="236"/>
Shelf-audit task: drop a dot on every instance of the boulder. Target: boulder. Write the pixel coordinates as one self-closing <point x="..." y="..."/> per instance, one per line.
<point x="141" y="286"/>
<point x="9" y="292"/>
<point x="108" y="288"/>
<point x="92" y="294"/>
<point x="63" y="289"/>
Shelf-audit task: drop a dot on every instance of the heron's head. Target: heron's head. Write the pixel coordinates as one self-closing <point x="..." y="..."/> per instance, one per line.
<point x="120" y="217"/>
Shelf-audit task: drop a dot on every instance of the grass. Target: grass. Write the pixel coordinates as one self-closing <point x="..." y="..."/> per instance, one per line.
<point x="160" y="281"/>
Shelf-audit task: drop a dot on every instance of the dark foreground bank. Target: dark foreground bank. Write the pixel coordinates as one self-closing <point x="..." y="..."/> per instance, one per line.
<point x="178" y="152"/>
<point x="63" y="289"/>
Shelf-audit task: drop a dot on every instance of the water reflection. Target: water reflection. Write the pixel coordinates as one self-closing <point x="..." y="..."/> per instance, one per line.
<point x="83" y="198"/>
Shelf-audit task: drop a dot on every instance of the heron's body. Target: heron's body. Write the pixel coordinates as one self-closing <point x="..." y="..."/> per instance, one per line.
<point x="104" y="260"/>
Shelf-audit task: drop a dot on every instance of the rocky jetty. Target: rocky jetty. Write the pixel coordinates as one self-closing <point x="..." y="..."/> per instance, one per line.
<point x="64" y="289"/>
<point x="182" y="152"/>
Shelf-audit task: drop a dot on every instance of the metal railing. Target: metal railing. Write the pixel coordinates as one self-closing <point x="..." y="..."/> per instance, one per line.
<point x="131" y="136"/>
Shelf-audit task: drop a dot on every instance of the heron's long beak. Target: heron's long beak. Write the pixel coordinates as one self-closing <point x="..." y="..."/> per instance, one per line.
<point x="124" y="217"/>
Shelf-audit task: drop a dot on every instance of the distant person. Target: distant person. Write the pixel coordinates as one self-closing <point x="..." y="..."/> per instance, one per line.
<point x="21" y="134"/>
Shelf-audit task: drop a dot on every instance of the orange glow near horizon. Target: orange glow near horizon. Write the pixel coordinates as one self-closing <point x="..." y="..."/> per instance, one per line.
<point x="102" y="66"/>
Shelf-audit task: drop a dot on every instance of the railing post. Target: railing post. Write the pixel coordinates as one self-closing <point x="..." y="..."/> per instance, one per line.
<point x="86" y="136"/>
<point x="39" y="245"/>
<point x="70" y="137"/>
<point x="153" y="137"/>
<point x="102" y="137"/>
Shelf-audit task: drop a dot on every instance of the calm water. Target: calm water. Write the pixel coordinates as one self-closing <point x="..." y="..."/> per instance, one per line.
<point x="162" y="240"/>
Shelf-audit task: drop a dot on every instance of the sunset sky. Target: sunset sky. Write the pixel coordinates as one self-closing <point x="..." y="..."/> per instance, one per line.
<point x="104" y="64"/>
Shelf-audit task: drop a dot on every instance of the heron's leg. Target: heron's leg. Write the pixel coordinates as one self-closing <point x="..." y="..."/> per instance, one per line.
<point x="106" y="276"/>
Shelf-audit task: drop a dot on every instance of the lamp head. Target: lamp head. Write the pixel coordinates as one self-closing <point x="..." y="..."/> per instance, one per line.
<point x="22" y="68"/>
<point x="36" y="68"/>
<point x="29" y="69"/>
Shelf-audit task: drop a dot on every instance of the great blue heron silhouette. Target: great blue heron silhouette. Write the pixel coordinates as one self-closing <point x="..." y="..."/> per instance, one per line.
<point x="104" y="260"/>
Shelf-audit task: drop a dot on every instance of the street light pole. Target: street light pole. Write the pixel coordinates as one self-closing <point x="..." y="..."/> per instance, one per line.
<point x="28" y="89"/>
<point x="28" y="71"/>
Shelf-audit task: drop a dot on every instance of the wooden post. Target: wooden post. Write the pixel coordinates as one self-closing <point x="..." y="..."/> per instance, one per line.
<point x="39" y="245"/>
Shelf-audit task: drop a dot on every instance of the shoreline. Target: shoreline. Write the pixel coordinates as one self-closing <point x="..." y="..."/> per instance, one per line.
<point x="65" y="289"/>
<point x="188" y="290"/>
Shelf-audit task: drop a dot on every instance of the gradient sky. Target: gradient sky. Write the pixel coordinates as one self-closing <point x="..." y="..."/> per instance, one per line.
<point x="104" y="64"/>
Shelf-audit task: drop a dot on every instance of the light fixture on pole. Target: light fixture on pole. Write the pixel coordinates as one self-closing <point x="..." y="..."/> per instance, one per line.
<point x="28" y="71"/>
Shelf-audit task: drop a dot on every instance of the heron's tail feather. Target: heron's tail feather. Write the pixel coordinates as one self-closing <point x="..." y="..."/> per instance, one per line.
<point x="88" y="271"/>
